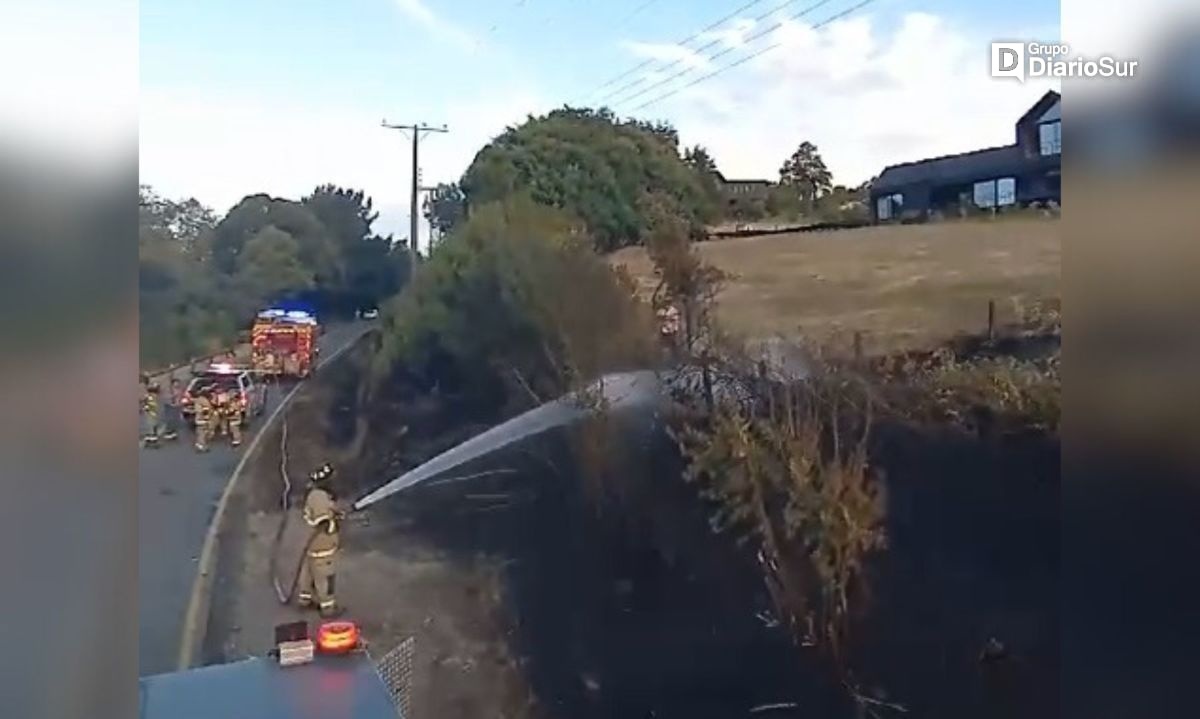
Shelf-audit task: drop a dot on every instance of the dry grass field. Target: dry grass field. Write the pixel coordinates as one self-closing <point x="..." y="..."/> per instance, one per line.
<point x="901" y="286"/>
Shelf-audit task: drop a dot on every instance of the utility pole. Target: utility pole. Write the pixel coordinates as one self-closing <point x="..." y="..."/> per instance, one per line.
<point x="417" y="129"/>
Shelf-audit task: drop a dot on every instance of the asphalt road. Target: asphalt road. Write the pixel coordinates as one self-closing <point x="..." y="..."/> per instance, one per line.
<point x="178" y="491"/>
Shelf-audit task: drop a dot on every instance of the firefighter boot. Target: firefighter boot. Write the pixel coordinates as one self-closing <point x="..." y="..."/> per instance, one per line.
<point x="304" y="598"/>
<point x="324" y="581"/>
<point x="202" y="435"/>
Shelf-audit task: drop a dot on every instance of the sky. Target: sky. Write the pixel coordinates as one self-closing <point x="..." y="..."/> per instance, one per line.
<point x="270" y="96"/>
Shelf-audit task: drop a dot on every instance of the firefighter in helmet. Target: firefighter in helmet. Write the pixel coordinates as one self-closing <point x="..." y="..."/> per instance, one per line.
<point x="151" y="414"/>
<point x="202" y="416"/>
<point x="321" y="514"/>
<point x="233" y="419"/>
<point x="220" y="413"/>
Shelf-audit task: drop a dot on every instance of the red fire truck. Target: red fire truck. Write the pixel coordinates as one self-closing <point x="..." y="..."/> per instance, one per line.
<point x="284" y="343"/>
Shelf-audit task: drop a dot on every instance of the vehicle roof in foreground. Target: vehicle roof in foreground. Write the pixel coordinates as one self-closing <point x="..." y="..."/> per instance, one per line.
<point x="346" y="687"/>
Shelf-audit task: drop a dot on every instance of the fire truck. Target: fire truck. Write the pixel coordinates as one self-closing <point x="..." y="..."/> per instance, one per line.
<point x="322" y="677"/>
<point x="284" y="342"/>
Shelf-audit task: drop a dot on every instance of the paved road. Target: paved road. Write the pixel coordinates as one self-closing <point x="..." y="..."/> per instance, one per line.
<point x="178" y="491"/>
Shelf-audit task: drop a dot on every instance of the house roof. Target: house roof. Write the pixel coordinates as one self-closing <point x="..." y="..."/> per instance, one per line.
<point x="963" y="167"/>
<point x="1044" y="103"/>
<point x="726" y="181"/>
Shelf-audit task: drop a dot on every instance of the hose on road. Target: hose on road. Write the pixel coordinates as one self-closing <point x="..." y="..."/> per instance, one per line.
<point x="283" y="596"/>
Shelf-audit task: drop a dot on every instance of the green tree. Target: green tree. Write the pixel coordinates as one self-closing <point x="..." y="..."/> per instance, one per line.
<point x="369" y="268"/>
<point x="513" y="308"/>
<point x="699" y="159"/>
<point x="445" y="207"/>
<point x="783" y="202"/>
<point x="317" y="246"/>
<point x="181" y="311"/>
<point x="270" y="265"/>
<point x="660" y="129"/>
<point x="346" y="214"/>
<point x="594" y="167"/>
<point x="806" y="172"/>
<point x="702" y="163"/>
<point x="747" y="209"/>
<point x="201" y="280"/>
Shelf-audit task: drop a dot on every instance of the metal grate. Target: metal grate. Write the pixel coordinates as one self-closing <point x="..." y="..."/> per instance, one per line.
<point x="396" y="670"/>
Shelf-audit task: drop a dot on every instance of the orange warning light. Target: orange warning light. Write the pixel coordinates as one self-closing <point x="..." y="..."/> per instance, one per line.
<point x="337" y="637"/>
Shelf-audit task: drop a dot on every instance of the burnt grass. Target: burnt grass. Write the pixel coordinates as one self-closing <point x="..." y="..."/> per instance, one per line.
<point x="623" y="602"/>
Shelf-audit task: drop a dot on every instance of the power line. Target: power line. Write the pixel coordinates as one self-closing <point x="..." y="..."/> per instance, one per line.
<point x="730" y="66"/>
<point x="699" y="51"/>
<point x="684" y="41"/>
<point x="762" y="33"/>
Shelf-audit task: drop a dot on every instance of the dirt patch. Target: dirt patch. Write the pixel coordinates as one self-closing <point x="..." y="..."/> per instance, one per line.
<point x="392" y="581"/>
<point x="904" y="287"/>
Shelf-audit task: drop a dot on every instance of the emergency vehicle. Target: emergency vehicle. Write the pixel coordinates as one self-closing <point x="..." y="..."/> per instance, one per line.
<point x="238" y="381"/>
<point x="322" y="677"/>
<point x="279" y="333"/>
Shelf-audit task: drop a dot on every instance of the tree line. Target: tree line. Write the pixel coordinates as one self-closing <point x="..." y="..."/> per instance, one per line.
<point x="202" y="277"/>
<point x="596" y="166"/>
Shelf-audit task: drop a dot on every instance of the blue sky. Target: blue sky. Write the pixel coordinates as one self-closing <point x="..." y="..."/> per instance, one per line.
<point x="242" y="97"/>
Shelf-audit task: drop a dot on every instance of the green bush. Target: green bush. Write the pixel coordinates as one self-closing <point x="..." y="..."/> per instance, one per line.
<point x="592" y="166"/>
<point x="516" y="304"/>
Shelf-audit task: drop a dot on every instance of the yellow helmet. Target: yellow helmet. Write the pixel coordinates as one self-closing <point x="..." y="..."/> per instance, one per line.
<point x="322" y="473"/>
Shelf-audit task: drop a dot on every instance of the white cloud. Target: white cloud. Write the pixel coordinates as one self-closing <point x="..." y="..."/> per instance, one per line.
<point x="220" y="149"/>
<point x="439" y="26"/>
<point x="867" y="98"/>
<point x="667" y="53"/>
<point x="732" y="36"/>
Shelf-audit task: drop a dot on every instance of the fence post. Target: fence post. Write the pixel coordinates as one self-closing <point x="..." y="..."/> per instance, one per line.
<point x="991" y="327"/>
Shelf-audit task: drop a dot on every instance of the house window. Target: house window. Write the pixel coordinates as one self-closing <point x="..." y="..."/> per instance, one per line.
<point x="1050" y="137"/>
<point x="985" y="193"/>
<point x="888" y="206"/>
<point x="1006" y="191"/>
<point x="996" y="193"/>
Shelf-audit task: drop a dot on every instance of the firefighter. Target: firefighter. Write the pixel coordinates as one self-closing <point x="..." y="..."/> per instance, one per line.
<point x="270" y="364"/>
<point x="151" y="414"/>
<point x="291" y="365"/>
<point x="233" y="420"/>
<point x="321" y="514"/>
<point x="171" y="405"/>
<point x="203" y="417"/>
<point x="220" y="413"/>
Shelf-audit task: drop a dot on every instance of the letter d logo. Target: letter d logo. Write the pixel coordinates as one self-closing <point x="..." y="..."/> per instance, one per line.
<point x="1008" y="60"/>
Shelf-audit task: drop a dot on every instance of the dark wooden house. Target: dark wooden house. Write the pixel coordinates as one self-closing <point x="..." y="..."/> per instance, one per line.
<point x="1029" y="170"/>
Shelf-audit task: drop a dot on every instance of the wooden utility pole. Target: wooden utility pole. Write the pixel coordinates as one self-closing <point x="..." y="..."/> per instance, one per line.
<point x="417" y="130"/>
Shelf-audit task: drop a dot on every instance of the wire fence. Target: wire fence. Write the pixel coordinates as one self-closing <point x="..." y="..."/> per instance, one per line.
<point x="396" y="669"/>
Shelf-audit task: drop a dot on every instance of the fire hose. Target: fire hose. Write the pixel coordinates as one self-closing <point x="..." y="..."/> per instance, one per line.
<point x="283" y="596"/>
